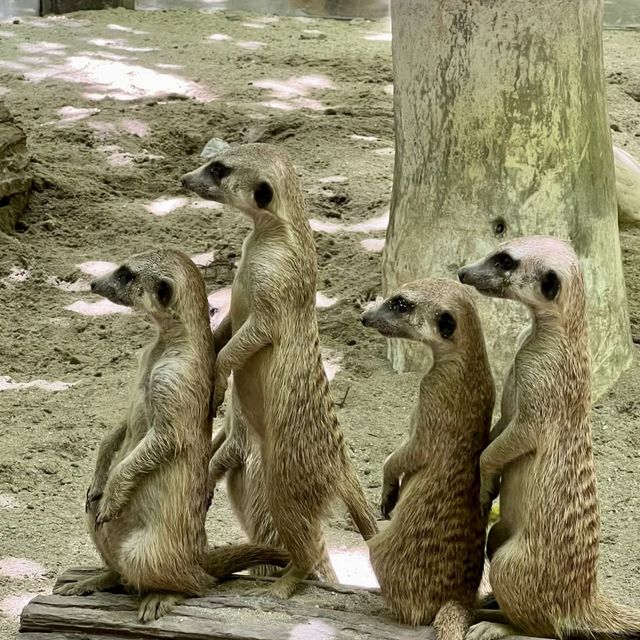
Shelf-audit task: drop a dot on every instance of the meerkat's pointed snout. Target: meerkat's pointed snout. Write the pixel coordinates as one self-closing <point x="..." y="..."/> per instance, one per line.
<point x="463" y="274"/>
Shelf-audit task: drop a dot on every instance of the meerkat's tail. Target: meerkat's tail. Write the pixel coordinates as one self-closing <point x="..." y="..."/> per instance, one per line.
<point x="223" y="561"/>
<point x="353" y="496"/>
<point x="452" y="621"/>
<point x="605" y="620"/>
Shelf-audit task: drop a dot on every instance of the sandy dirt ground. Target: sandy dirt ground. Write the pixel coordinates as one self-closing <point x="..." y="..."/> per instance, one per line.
<point x="117" y="105"/>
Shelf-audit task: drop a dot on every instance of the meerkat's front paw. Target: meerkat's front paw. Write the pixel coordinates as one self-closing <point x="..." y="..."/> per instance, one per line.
<point x="94" y="493"/>
<point x="108" y="509"/>
<point x="80" y="588"/>
<point x="389" y="499"/>
<point x="489" y="631"/>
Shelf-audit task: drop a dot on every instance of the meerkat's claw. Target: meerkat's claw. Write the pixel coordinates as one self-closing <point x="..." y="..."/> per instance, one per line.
<point x="489" y="631"/>
<point x="156" y="605"/>
<point x="91" y="498"/>
<point x="74" y="589"/>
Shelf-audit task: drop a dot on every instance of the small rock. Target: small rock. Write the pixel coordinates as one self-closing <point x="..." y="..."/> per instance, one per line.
<point x="214" y="147"/>
<point x="16" y="21"/>
<point x="351" y="342"/>
<point x="313" y="34"/>
<point x="30" y="507"/>
<point x="74" y="360"/>
<point x="615" y="127"/>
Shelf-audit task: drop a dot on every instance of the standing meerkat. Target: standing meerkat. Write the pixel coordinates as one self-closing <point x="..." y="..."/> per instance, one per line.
<point x="147" y="503"/>
<point x="429" y="560"/>
<point x="544" y="561"/>
<point x="274" y="353"/>
<point x="236" y="457"/>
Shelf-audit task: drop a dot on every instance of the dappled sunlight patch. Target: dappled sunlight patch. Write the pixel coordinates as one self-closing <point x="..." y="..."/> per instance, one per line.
<point x="68" y="115"/>
<point x="21" y="568"/>
<point x="8" y="384"/>
<point x="312" y="630"/>
<point x="203" y="259"/>
<point x="119" y="45"/>
<point x="4" y="91"/>
<point x="118" y="27"/>
<point x="375" y="245"/>
<point x="254" y="25"/>
<point x="323" y="301"/>
<point x="219" y="37"/>
<point x="71" y="287"/>
<point x="379" y="37"/>
<point x="388" y="88"/>
<point x="163" y="206"/>
<point x="331" y="361"/>
<point x="252" y="45"/>
<point x="167" y="65"/>
<point x="107" y="55"/>
<point x="17" y="275"/>
<point x="379" y="223"/>
<point x="7" y="34"/>
<point x="7" y="501"/>
<point x="334" y="180"/>
<point x="13" y="66"/>
<point x="219" y="303"/>
<point x="52" y="48"/>
<point x="118" y="80"/>
<point x="352" y="566"/>
<point x="293" y="93"/>
<point x="385" y="151"/>
<point x="356" y="136"/>
<point x="117" y="157"/>
<point x="97" y="268"/>
<point x="11" y="606"/>
<point x="100" y="308"/>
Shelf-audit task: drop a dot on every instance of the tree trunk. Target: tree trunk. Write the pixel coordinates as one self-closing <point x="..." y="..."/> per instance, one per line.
<point x="501" y="131"/>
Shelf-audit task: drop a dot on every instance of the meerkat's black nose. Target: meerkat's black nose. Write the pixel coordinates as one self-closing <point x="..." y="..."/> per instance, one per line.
<point x="365" y="319"/>
<point x="183" y="180"/>
<point x="462" y="274"/>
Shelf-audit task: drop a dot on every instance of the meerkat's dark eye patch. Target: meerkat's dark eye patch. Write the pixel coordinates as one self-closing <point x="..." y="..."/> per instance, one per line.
<point x="446" y="325"/>
<point x="504" y="261"/>
<point x="124" y="275"/>
<point x="219" y="170"/>
<point x="164" y="291"/>
<point x="550" y="285"/>
<point x="263" y="195"/>
<point x="400" y="304"/>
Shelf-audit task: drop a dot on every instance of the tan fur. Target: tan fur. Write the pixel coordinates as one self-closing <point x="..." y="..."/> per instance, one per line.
<point x="237" y="458"/>
<point x="274" y="353"/>
<point x="429" y="560"/>
<point x="544" y="558"/>
<point x="147" y="504"/>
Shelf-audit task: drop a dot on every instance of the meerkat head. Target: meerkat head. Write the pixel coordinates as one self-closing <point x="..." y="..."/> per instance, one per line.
<point x="248" y="177"/>
<point x="158" y="283"/>
<point x="534" y="270"/>
<point x="435" y="311"/>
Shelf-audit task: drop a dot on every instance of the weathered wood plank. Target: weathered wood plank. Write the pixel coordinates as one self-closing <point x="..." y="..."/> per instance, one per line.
<point x="336" y="613"/>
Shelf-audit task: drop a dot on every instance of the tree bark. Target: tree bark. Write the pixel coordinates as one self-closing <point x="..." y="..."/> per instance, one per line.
<point x="501" y="131"/>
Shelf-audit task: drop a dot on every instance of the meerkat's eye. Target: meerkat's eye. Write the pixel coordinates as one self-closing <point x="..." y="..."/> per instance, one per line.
<point x="219" y="170"/>
<point x="124" y="275"/>
<point x="504" y="261"/>
<point x="446" y="325"/>
<point x="400" y="304"/>
<point x="263" y="195"/>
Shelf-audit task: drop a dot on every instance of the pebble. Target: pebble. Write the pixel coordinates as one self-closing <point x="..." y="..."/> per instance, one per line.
<point x="214" y="147"/>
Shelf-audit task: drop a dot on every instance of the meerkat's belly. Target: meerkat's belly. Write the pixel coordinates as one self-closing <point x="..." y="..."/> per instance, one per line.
<point x="250" y="390"/>
<point x="514" y="493"/>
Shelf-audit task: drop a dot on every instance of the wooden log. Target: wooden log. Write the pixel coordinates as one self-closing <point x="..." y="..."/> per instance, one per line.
<point x="15" y="180"/>
<point x="225" y="614"/>
<point x="67" y="6"/>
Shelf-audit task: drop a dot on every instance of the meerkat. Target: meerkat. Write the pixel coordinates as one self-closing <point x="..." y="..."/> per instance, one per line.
<point x="147" y="503"/>
<point x="236" y="457"/>
<point x="280" y="384"/>
<point x="429" y="560"/>
<point x="543" y="570"/>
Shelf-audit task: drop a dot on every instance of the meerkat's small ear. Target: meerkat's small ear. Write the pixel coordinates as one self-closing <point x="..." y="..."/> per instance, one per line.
<point x="263" y="195"/>
<point x="164" y="291"/>
<point x="550" y="285"/>
<point x="446" y="325"/>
